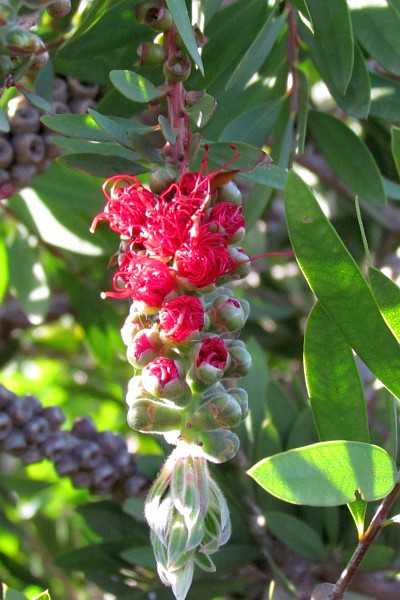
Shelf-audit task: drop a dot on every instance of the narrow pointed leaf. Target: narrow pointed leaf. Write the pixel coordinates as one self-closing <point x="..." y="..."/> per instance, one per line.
<point x="295" y="534"/>
<point x="396" y="146"/>
<point x="202" y="111"/>
<point x="135" y="87"/>
<point x="101" y="165"/>
<point x="333" y="32"/>
<point x="336" y="280"/>
<point x="76" y="126"/>
<point x="333" y="382"/>
<point x="181" y="19"/>
<point x="387" y="296"/>
<point x="37" y="101"/>
<point x="327" y="474"/>
<point x="119" y="129"/>
<point x="348" y="156"/>
<point x="257" y="52"/>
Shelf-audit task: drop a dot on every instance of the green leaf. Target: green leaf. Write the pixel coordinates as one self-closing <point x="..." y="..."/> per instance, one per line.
<point x="166" y="129"/>
<point x="108" y="520"/>
<point x="37" y="101"/>
<point x="4" y="124"/>
<point x="253" y="125"/>
<point x="249" y="157"/>
<point x="385" y="102"/>
<point x="77" y="146"/>
<point x="348" y="156"/>
<point x="76" y="126"/>
<point x="257" y="52"/>
<point x="358" y="510"/>
<point x="387" y="296"/>
<point x="119" y="129"/>
<point x="327" y="474"/>
<point x="333" y="33"/>
<point x="295" y="534"/>
<point x="142" y="556"/>
<point x="101" y="165"/>
<point x="27" y="277"/>
<point x="4" y="276"/>
<point x="302" y="111"/>
<point x="377" y="28"/>
<point x="356" y="99"/>
<point x="339" y="285"/>
<point x="43" y="596"/>
<point x="135" y="87"/>
<point x="181" y="19"/>
<point x="202" y="111"/>
<point x="333" y="382"/>
<point x="271" y="176"/>
<point x="9" y="594"/>
<point x="396" y="147"/>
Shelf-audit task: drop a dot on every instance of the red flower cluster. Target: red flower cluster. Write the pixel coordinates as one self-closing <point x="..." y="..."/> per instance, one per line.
<point x="173" y="239"/>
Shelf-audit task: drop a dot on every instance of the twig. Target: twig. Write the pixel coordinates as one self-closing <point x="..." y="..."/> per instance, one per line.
<point x="365" y="542"/>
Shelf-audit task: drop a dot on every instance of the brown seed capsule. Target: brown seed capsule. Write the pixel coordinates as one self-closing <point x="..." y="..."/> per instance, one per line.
<point x="22" y="175"/>
<point x="80" y="89"/>
<point x="6" y="153"/>
<point x="60" y="90"/>
<point x="79" y="106"/>
<point x="23" y="117"/>
<point x="28" y="148"/>
<point x="60" y="108"/>
<point x="51" y="148"/>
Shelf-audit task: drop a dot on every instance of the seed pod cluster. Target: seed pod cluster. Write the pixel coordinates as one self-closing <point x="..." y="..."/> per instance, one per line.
<point x="96" y="460"/>
<point x="27" y="150"/>
<point x="18" y="44"/>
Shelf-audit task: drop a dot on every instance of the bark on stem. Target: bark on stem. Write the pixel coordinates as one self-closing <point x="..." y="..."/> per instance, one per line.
<point x="365" y="542"/>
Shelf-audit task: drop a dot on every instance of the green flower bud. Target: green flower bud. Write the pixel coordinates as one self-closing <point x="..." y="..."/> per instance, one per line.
<point x="219" y="446"/>
<point x="144" y="348"/>
<point x="149" y="415"/>
<point x="222" y="410"/>
<point x="244" y="264"/>
<point x="22" y="43"/>
<point x="242" y="399"/>
<point x="165" y="378"/>
<point x="240" y="364"/>
<point x="177" y="68"/>
<point x="162" y="177"/>
<point x="229" y="193"/>
<point x="228" y="313"/>
<point x="150" y="55"/>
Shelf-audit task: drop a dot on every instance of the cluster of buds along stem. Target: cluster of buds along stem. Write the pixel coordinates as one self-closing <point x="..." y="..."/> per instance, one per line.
<point x="20" y="48"/>
<point x="178" y="252"/>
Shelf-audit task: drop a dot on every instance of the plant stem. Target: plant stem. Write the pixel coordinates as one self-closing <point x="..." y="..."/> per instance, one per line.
<point x="175" y="98"/>
<point x="365" y="542"/>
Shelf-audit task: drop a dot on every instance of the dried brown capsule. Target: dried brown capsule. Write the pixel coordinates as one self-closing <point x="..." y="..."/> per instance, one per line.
<point x="6" y="153"/>
<point x="28" y="148"/>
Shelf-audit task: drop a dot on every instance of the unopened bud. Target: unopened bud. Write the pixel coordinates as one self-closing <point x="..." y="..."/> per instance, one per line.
<point x="240" y="359"/>
<point x="22" y="43"/>
<point x="222" y="410"/>
<point x="229" y="193"/>
<point x="228" y="313"/>
<point x="242" y="399"/>
<point x="152" y="416"/>
<point x="219" y="446"/>
<point x="242" y="260"/>
<point x="162" y="177"/>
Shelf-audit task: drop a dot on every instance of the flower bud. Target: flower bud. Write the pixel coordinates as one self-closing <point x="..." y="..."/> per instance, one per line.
<point x="134" y="323"/>
<point x="222" y="410"/>
<point x="242" y="399"/>
<point x="22" y="43"/>
<point x="242" y="260"/>
<point x="136" y="391"/>
<point x="150" y="55"/>
<point x="181" y="317"/>
<point x="177" y="68"/>
<point x="219" y="446"/>
<point x="211" y="359"/>
<point x="162" y="177"/>
<point x="158" y="18"/>
<point x="240" y="364"/>
<point x="165" y="378"/>
<point x="152" y="416"/>
<point x="144" y="348"/>
<point x="229" y="193"/>
<point x="228" y="313"/>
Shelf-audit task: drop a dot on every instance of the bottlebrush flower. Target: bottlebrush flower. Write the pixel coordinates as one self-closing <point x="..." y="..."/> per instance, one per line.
<point x="203" y="258"/>
<point x="226" y="217"/>
<point x="126" y="206"/>
<point x="181" y="317"/>
<point x="146" y="280"/>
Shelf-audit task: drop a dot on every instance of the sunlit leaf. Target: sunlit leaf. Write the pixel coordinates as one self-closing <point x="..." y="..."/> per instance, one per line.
<point x="181" y="19"/>
<point x="202" y="111"/>
<point x="338" y="283"/>
<point x="3" y="269"/>
<point x="295" y="534"/>
<point x="327" y="474"/>
<point x="135" y="87"/>
<point x="387" y="296"/>
<point x="79" y="126"/>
